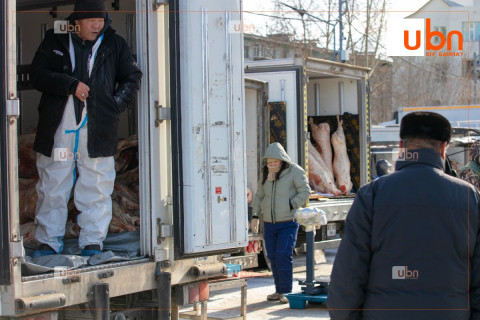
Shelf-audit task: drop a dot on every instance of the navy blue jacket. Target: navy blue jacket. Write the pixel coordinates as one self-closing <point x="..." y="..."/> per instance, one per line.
<point x="411" y="243"/>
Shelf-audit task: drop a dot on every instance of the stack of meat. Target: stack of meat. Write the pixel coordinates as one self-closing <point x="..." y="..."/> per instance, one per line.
<point x="328" y="174"/>
<point x="125" y="196"/>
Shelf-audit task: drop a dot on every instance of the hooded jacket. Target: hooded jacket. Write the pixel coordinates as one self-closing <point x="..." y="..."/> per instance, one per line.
<point x="114" y="83"/>
<point x="277" y="200"/>
<point x="410" y="247"/>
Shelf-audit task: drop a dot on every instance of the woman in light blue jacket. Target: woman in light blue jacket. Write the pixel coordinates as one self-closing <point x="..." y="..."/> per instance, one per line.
<point x="282" y="189"/>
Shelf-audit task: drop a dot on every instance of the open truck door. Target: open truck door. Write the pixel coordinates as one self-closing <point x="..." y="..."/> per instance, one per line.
<point x="210" y="190"/>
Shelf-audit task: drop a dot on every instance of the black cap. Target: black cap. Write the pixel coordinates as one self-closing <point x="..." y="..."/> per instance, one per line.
<point x="429" y="125"/>
<point x="87" y="9"/>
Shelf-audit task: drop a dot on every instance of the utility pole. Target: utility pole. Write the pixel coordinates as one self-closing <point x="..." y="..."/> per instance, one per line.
<point x="341" y="53"/>
<point x="475" y="76"/>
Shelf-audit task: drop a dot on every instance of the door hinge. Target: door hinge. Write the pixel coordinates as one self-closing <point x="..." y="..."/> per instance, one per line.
<point x="164" y="231"/>
<point x="13" y="108"/>
<point x="161" y="114"/>
<point x="17" y="251"/>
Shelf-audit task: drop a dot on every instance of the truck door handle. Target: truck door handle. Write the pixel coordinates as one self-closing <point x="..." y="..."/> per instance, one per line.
<point x="221" y="199"/>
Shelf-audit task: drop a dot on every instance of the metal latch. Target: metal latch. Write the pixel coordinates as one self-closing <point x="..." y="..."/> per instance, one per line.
<point x="161" y="114"/>
<point x="157" y="4"/>
<point x="13" y="107"/>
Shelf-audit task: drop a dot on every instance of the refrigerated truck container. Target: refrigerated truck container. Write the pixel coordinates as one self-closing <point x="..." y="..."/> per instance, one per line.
<point x="190" y="124"/>
<point x="323" y="89"/>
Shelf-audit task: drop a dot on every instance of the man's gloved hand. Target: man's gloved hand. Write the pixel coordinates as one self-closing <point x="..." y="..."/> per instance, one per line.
<point x="254" y="224"/>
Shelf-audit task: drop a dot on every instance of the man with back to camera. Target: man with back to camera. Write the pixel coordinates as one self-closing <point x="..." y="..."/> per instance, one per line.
<point x="411" y="248"/>
<point x="382" y="167"/>
<point x="87" y="78"/>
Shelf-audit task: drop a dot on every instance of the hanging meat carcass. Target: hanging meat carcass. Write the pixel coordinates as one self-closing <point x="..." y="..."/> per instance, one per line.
<point x="321" y="135"/>
<point x="341" y="163"/>
<point x="319" y="176"/>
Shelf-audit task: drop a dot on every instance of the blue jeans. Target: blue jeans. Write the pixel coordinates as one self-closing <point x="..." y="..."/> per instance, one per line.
<point x="280" y="239"/>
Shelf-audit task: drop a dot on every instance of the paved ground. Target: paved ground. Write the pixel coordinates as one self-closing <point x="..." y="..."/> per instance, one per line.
<point x="226" y="303"/>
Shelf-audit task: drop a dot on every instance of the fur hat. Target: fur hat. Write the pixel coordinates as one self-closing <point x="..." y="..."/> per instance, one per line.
<point x="428" y="125"/>
<point x="87" y="9"/>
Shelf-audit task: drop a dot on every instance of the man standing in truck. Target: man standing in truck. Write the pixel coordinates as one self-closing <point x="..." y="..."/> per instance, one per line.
<point x="87" y="78"/>
<point x="411" y="244"/>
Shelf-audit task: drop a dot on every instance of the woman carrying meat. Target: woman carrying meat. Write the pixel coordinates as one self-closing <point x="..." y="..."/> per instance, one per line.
<point x="282" y="189"/>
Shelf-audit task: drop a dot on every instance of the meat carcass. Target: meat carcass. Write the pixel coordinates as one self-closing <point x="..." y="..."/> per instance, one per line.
<point x="117" y="226"/>
<point x="321" y="135"/>
<point x="125" y="155"/>
<point x="121" y="221"/>
<point x="126" y="143"/>
<point x="27" y="158"/>
<point x="27" y="231"/>
<point x="126" y="198"/>
<point x="316" y="155"/>
<point x="124" y="217"/>
<point x="122" y="191"/>
<point x="72" y="230"/>
<point x="341" y="163"/>
<point x="318" y="175"/>
<point x="128" y="177"/>
<point x="28" y="199"/>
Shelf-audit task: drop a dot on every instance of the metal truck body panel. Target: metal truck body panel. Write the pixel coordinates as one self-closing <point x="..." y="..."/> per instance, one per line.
<point x="190" y="124"/>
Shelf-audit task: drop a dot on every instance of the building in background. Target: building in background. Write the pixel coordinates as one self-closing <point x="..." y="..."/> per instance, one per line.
<point x="442" y="80"/>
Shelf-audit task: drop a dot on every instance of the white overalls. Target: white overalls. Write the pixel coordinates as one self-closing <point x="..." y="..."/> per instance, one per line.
<point x="58" y="174"/>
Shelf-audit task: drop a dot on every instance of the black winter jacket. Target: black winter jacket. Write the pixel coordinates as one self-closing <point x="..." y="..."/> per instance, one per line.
<point x="114" y="82"/>
<point x="411" y="247"/>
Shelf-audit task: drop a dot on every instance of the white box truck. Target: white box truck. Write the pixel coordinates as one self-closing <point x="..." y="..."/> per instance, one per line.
<point x="299" y="89"/>
<point x="190" y="124"/>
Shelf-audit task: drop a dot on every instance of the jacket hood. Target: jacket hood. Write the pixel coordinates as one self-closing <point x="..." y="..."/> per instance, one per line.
<point x="276" y="151"/>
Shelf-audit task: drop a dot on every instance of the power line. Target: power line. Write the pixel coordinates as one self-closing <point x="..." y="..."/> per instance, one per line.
<point x="279" y="17"/>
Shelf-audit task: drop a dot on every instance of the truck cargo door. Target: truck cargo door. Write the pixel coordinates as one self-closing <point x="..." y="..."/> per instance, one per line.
<point x="208" y="116"/>
<point x="283" y="86"/>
